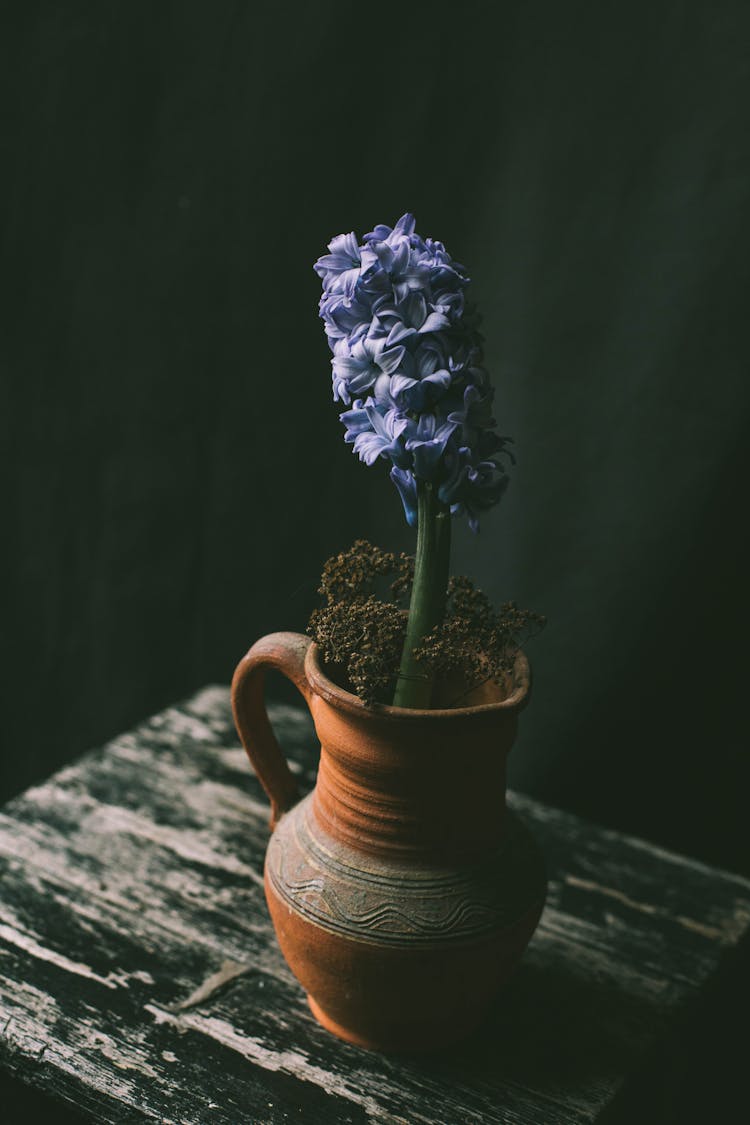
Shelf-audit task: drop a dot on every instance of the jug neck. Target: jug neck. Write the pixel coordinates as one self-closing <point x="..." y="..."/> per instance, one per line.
<point x="441" y="797"/>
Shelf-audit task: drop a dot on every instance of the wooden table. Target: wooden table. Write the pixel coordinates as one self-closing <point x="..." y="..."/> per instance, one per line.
<point x="140" y="979"/>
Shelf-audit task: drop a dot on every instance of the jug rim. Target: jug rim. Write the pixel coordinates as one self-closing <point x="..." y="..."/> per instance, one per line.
<point x="344" y="700"/>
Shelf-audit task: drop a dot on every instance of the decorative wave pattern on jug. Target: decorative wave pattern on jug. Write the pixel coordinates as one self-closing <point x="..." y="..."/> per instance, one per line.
<point x="334" y="886"/>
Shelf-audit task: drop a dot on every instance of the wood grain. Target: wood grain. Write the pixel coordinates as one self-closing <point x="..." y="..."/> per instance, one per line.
<point x="140" y="980"/>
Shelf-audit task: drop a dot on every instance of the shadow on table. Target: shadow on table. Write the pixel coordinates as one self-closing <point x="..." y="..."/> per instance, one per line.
<point x="559" y="1034"/>
<point x="22" y="1105"/>
<point x="697" y="1073"/>
<point x="572" y="1039"/>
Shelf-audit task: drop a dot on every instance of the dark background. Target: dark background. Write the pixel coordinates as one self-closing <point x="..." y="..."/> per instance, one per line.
<point x="175" y="469"/>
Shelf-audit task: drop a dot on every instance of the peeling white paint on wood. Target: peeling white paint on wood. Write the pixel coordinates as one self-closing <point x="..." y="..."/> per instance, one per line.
<point x="186" y="844"/>
<point x="34" y="948"/>
<point x="289" y="1061"/>
<point x="139" y="976"/>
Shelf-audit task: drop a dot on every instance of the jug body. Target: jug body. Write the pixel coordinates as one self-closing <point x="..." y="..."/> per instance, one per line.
<point x="402" y="890"/>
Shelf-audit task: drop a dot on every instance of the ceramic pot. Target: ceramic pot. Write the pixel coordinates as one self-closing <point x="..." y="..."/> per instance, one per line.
<point x="402" y="889"/>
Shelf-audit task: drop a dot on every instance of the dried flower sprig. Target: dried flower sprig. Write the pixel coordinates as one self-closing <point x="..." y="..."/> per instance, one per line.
<point x="475" y="639"/>
<point x="357" y="632"/>
<point x="352" y="573"/>
<point x="363" y="638"/>
<point x="363" y="635"/>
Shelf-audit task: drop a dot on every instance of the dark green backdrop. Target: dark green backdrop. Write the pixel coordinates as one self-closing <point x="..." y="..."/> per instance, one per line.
<point x="175" y="466"/>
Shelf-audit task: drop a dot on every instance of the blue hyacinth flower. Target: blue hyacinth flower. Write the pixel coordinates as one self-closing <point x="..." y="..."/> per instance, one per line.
<point x="407" y="360"/>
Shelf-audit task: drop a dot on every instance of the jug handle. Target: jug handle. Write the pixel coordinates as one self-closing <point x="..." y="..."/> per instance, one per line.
<point x="286" y="653"/>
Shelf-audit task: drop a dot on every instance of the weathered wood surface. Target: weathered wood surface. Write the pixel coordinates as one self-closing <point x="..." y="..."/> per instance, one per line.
<point x="140" y="980"/>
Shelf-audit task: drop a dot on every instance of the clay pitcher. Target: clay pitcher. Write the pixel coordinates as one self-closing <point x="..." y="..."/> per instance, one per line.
<point x="402" y="889"/>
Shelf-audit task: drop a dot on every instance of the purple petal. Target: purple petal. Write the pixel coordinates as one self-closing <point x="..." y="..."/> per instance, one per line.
<point x="407" y="490"/>
<point x="389" y="361"/>
<point x="400" y="384"/>
<point x="346" y="246"/>
<point x="399" y="332"/>
<point x="368" y="446"/>
<point x="405" y="224"/>
<point x="384" y="255"/>
<point x="435" y="322"/>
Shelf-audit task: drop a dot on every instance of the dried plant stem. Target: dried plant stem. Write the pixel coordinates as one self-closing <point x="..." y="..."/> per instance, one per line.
<point x="427" y="606"/>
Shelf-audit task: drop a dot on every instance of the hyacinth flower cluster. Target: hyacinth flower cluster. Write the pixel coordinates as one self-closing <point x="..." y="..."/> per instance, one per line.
<point x="407" y="367"/>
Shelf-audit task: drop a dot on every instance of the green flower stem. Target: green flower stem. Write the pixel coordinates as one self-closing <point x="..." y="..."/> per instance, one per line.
<point x="427" y="607"/>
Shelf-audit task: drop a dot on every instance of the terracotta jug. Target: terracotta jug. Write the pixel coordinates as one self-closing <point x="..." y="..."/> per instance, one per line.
<point x="402" y="889"/>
